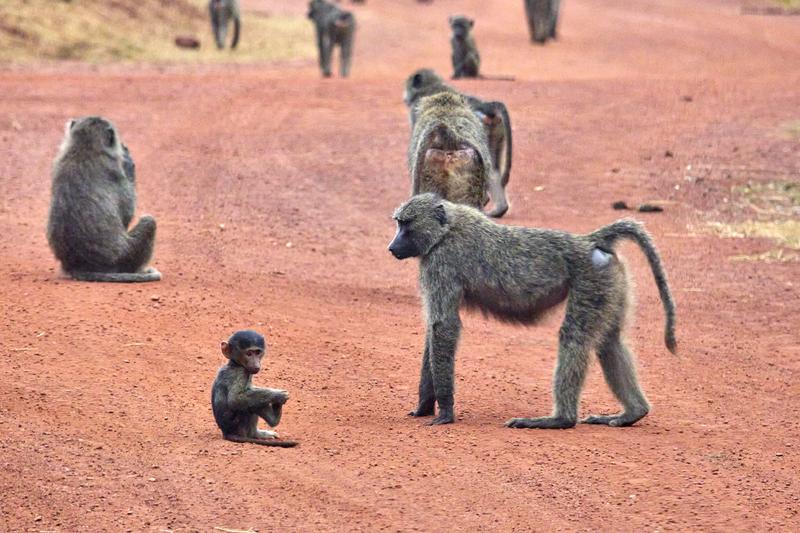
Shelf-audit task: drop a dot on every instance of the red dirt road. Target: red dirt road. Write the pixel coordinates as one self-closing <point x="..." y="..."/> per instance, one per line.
<point x="105" y="421"/>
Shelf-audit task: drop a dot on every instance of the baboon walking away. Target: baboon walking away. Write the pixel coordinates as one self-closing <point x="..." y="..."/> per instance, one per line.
<point x="516" y="274"/>
<point x="449" y="154"/>
<point x="334" y="27"/>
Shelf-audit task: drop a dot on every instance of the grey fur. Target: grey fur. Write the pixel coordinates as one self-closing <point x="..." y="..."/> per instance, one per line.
<point x="334" y="26"/>
<point x="465" y="56"/>
<point x="492" y="114"/>
<point x="222" y="12"/>
<point x="517" y="274"/>
<point x="93" y="202"/>
<point x="236" y="403"/>
<point x="445" y="126"/>
<point x="542" y="18"/>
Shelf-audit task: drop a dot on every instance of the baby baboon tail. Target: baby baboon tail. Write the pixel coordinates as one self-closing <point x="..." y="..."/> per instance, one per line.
<point x="628" y="228"/>
<point x="151" y="274"/>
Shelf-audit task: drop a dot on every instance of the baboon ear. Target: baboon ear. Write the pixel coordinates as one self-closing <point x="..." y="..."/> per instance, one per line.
<point x="72" y="124"/>
<point x="471" y="23"/>
<point x="440" y="214"/>
<point x="226" y="349"/>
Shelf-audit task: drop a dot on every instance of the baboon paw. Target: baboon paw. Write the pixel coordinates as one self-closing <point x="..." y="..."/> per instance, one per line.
<point x="421" y="412"/>
<point x="620" y="420"/>
<point x="540" y="423"/>
<point x="441" y="419"/>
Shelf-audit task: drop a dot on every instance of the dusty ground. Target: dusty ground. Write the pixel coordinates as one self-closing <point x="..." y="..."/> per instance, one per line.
<point x="105" y="422"/>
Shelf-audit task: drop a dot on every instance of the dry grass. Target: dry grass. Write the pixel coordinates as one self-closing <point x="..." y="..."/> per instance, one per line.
<point x="143" y="31"/>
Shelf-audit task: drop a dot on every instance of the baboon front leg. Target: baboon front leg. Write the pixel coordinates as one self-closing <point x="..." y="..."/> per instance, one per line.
<point x="620" y="373"/>
<point x="325" y="51"/>
<point x="444" y="338"/>
<point x="568" y="381"/>
<point x="140" y="242"/>
<point x="427" y="397"/>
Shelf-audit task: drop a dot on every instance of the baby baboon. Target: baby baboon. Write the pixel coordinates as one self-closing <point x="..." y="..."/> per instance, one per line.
<point x="493" y="115"/>
<point x="93" y="201"/>
<point x="517" y="274"/>
<point x="334" y="27"/>
<point x="223" y="11"/>
<point x="466" y="59"/>
<point x="542" y="18"/>
<point x="236" y="404"/>
<point x="449" y="154"/>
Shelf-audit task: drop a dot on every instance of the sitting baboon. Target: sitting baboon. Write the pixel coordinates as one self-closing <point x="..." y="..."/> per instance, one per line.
<point x="542" y="18"/>
<point x="493" y="115"/>
<point x="449" y="154"/>
<point x="223" y="11"/>
<point x="466" y="59"/>
<point x="93" y="201"/>
<point x="517" y="274"/>
<point x="334" y="26"/>
<point x="236" y="403"/>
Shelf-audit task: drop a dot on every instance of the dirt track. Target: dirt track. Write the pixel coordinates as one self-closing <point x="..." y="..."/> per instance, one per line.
<point x="105" y="422"/>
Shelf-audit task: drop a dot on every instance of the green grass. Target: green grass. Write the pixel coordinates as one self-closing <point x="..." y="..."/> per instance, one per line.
<point x="142" y="31"/>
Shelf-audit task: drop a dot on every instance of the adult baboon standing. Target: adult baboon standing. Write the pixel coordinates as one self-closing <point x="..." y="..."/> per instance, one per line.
<point x="542" y="18"/>
<point x="517" y="274"/>
<point x="222" y="12"/>
<point x="334" y="27"/>
<point x="93" y="201"/>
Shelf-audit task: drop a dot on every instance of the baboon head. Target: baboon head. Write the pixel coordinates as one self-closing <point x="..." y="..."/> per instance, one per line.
<point x="461" y="26"/>
<point x="91" y="135"/>
<point x="245" y="348"/>
<point x="313" y="8"/>
<point x="419" y="82"/>
<point x="421" y="224"/>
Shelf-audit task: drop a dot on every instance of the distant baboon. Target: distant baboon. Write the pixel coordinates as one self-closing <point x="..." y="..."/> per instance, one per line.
<point x="93" y="201"/>
<point x="221" y="12"/>
<point x="334" y="26"/>
<point x="466" y="59"/>
<point x="449" y="154"/>
<point x="542" y="18"/>
<point x="494" y="115"/>
<point x="517" y="274"/>
<point x="236" y="403"/>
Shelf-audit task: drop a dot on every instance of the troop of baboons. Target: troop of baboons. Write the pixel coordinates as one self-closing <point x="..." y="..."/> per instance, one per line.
<point x="459" y="160"/>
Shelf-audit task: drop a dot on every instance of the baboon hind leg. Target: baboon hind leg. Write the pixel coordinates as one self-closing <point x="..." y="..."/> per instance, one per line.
<point x="346" y="55"/>
<point x="620" y="373"/>
<point x="140" y="243"/>
<point x="573" y="361"/>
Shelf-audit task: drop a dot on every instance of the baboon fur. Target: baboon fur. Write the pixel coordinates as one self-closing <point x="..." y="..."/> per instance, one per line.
<point x="236" y="403"/>
<point x="493" y="115"/>
<point x="222" y="12"/>
<point x="516" y="274"/>
<point x="465" y="56"/>
<point x="334" y="27"/>
<point x="93" y="202"/>
<point x="449" y="154"/>
<point x="542" y="18"/>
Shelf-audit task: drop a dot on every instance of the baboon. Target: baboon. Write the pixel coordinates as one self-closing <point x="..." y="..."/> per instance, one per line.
<point x="493" y="115"/>
<point x="542" y="18"/>
<point x="93" y="201"/>
<point x="449" y="154"/>
<point x="236" y="403"/>
<point x="223" y="11"/>
<point x="466" y="59"/>
<point x="516" y="274"/>
<point x="334" y="26"/>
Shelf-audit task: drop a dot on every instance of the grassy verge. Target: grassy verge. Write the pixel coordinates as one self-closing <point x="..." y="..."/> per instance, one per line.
<point x="142" y="31"/>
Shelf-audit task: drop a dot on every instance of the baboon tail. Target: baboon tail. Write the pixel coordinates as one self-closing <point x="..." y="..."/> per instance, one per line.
<point x="631" y="229"/>
<point x="117" y="277"/>
<point x="237" y="26"/>
<point x="262" y="442"/>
